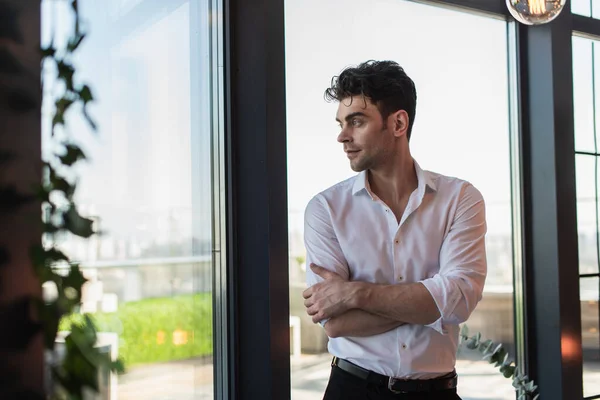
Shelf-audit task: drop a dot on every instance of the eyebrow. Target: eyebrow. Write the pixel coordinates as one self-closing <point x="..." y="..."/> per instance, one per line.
<point x="350" y="116"/>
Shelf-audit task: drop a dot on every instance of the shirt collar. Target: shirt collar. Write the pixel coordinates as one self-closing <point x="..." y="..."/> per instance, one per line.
<point x="424" y="180"/>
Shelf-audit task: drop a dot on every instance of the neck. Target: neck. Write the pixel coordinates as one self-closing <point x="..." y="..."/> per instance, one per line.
<point x="394" y="182"/>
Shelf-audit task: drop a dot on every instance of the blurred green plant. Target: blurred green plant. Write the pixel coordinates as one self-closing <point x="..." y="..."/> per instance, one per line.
<point x="157" y="330"/>
<point x="496" y="354"/>
<point x="79" y="368"/>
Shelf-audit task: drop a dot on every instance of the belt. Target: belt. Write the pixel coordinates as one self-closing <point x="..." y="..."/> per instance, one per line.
<point x="397" y="385"/>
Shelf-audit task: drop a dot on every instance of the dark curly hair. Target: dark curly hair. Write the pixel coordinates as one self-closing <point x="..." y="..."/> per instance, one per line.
<point x="384" y="82"/>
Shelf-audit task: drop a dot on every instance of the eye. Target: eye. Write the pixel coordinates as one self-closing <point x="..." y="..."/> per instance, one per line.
<point x="356" y="122"/>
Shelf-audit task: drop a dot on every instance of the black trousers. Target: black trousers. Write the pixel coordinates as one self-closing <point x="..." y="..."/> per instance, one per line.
<point x="345" y="386"/>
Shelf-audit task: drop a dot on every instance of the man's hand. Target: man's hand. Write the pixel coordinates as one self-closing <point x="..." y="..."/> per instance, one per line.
<point x="329" y="298"/>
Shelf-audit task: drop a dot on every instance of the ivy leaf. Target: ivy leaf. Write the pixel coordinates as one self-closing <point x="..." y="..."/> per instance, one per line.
<point x="74" y="42"/>
<point x="61" y="184"/>
<point x="86" y="94"/>
<point x="49" y="51"/>
<point x="89" y="119"/>
<point x="77" y="364"/>
<point x="44" y="259"/>
<point x="77" y="224"/>
<point x="63" y="104"/>
<point x="66" y="72"/>
<point x="50" y="228"/>
<point x="118" y="366"/>
<point x="73" y="154"/>
<point x="58" y="119"/>
<point x="50" y="313"/>
<point x="75" y="280"/>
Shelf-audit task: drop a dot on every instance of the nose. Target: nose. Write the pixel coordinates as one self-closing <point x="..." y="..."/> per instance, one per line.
<point x="344" y="136"/>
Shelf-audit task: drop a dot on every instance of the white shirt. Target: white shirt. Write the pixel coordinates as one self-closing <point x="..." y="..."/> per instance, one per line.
<point x="440" y="242"/>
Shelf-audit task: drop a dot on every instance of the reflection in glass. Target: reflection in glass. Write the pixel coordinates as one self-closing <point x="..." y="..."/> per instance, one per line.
<point x="590" y="336"/>
<point x="587" y="8"/>
<point x="148" y="187"/>
<point x="585" y="172"/>
<point x="583" y="95"/>
<point x="461" y="129"/>
<point x="581" y="7"/>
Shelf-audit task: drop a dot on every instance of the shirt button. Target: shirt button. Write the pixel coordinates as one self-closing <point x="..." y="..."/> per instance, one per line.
<point x="397" y="241"/>
<point x="404" y="346"/>
<point x="386" y="210"/>
<point x="400" y="278"/>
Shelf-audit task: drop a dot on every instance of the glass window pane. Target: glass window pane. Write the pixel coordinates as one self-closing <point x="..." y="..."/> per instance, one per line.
<point x="585" y="170"/>
<point x="461" y="129"/>
<point x="590" y="338"/>
<point x="583" y="93"/>
<point x="581" y="7"/>
<point x="148" y="186"/>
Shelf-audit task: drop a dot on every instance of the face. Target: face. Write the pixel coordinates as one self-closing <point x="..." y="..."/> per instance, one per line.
<point x="367" y="141"/>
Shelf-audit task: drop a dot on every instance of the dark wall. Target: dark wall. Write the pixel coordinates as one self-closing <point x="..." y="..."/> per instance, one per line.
<point x="21" y="348"/>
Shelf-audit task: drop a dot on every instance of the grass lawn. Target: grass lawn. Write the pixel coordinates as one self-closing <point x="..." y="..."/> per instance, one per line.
<point x="160" y="329"/>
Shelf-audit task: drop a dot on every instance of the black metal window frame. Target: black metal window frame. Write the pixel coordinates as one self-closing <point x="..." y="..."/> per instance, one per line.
<point x="252" y="294"/>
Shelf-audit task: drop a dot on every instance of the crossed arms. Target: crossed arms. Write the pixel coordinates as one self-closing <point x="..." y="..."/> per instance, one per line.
<point x="352" y="308"/>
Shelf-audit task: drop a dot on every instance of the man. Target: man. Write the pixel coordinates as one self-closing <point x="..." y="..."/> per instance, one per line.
<point x="396" y="254"/>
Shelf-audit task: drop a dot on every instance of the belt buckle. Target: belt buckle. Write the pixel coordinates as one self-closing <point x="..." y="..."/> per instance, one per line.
<point x="391" y="383"/>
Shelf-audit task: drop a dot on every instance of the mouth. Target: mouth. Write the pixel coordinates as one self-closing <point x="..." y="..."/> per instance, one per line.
<point x="352" y="153"/>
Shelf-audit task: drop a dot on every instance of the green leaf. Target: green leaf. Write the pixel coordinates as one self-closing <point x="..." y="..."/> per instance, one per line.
<point x="50" y="228"/>
<point x="86" y="94"/>
<point x="471" y="343"/>
<point x="75" y="280"/>
<point x="49" y="51"/>
<point x="89" y="119"/>
<point x="536" y="396"/>
<point x="77" y="224"/>
<point x="63" y="104"/>
<point x="44" y="259"/>
<point x="58" y="119"/>
<point x="464" y="331"/>
<point x="78" y="364"/>
<point x="50" y="314"/>
<point x="61" y="184"/>
<point x="118" y="366"/>
<point x="66" y="72"/>
<point x="530" y="386"/>
<point x="508" y="371"/>
<point x="484" y="347"/>
<point x="73" y="154"/>
<point x="75" y="41"/>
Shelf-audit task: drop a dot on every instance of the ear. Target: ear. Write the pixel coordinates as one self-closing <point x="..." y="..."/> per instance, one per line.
<point x="398" y="121"/>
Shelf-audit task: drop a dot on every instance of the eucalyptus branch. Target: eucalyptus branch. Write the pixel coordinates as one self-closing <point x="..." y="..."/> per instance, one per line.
<point x="496" y="354"/>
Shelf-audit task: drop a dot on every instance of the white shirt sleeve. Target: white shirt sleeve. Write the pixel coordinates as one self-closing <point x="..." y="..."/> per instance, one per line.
<point x="320" y="240"/>
<point x="458" y="286"/>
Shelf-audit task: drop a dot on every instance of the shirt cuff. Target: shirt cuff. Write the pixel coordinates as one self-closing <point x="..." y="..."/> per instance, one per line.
<point x="444" y="298"/>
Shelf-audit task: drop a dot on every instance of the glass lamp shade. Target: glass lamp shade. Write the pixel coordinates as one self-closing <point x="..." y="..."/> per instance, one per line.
<point x="535" y="12"/>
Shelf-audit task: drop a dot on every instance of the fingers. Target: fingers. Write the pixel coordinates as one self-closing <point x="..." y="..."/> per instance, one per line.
<point x="308" y="302"/>
<point x="322" y="272"/>
<point x="308" y="292"/>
